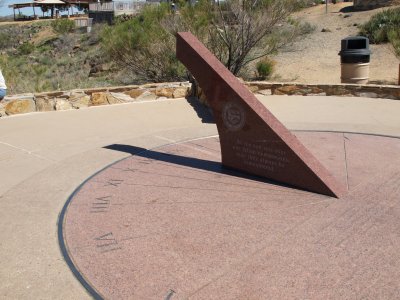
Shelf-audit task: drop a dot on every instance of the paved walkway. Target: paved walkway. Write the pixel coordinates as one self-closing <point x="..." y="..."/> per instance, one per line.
<point x="45" y="156"/>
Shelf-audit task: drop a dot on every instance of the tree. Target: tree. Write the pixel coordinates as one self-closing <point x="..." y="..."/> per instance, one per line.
<point x="241" y="31"/>
<point x="238" y="32"/>
<point x="143" y="47"/>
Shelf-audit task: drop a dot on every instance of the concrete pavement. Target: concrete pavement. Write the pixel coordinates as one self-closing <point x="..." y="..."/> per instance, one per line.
<point x="45" y="156"/>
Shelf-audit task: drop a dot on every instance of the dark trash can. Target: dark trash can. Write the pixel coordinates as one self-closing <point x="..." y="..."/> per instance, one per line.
<point x="355" y="57"/>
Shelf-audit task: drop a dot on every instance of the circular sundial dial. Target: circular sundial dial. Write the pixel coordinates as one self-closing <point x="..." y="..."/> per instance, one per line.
<point x="170" y="223"/>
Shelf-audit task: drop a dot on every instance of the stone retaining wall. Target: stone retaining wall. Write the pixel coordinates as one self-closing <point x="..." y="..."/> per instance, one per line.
<point x="369" y="91"/>
<point x="76" y="99"/>
<point x="345" y="90"/>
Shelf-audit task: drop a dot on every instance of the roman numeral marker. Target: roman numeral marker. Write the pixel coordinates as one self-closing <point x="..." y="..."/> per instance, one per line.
<point x="106" y="243"/>
<point x="101" y="204"/>
<point x="114" y="182"/>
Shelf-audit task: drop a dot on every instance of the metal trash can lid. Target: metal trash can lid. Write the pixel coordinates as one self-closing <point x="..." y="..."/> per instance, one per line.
<point x="355" y="46"/>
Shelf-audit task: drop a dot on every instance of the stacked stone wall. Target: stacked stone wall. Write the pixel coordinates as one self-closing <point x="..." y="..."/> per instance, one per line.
<point x="77" y="99"/>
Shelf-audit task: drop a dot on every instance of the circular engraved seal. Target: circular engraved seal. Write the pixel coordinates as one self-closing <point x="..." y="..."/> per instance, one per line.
<point x="233" y="116"/>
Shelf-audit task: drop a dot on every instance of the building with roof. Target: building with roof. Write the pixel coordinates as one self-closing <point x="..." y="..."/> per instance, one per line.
<point x="107" y="11"/>
<point x="52" y="6"/>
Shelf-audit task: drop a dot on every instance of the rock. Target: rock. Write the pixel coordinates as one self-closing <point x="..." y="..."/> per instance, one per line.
<point x="147" y="96"/>
<point x="103" y="99"/>
<point x="95" y="90"/>
<point x="150" y="85"/>
<point x="253" y="88"/>
<point x="20" y="107"/>
<point x="122" y="89"/>
<point x="337" y="91"/>
<point x="347" y="15"/>
<point x="98" y="99"/>
<point x="45" y="104"/>
<point x="325" y="30"/>
<point x="319" y="94"/>
<point x="289" y="89"/>
<point x="80" y="102"/>
<point x="122" y="97"/>
<point x="277" y="92"/>
<point x="165" y="92"/>
<point x="2" y="110"/>
<point x="51" y="94"/>
<point x="316" y="90"/>
<point x="265" y="92"/>
<point x="76" y="94"/>
<point x="384" y="96"/>
<point x="186" y="84"/>
<point x="134" y="93"/>
<point x="395" y="93"/>
<point x="62" y="104"/>
<point x="367" y="95"/>
<point x="27" y="96"/>
<point x="180" y="92"/>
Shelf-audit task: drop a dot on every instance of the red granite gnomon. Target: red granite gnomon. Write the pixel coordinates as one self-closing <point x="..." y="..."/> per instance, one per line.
<point x="252" y="140"/>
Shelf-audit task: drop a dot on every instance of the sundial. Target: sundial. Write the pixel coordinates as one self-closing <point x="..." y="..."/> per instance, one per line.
<point x="317" y="218"/>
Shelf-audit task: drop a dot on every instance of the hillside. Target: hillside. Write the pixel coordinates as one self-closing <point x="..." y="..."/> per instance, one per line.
<point x="35" y="58"/>
<point x="315" y="59"/>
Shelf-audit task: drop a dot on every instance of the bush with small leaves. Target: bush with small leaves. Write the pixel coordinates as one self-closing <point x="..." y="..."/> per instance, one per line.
<point x="265" y="68"/>
<point x="26" y="48"/>
<point x="63" y="26"/>
<point x="378" y="27"/>
<point x="384" y="27"/>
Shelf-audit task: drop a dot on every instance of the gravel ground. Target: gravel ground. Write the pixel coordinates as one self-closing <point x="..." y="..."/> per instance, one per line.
<point x="315" y="59"/>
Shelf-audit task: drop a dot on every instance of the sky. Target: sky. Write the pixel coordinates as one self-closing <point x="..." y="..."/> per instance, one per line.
<point x="5" y="11"/>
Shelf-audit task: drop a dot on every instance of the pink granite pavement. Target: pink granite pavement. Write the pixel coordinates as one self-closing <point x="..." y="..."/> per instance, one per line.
<point x="44" y="157"/>
<point x="171" y="223"/>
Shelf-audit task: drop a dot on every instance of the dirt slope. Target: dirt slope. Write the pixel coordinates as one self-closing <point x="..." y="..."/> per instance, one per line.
<point x="315" y="59"/>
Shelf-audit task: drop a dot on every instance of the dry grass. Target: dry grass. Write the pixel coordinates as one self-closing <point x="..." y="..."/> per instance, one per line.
<point x="45" y="34"/>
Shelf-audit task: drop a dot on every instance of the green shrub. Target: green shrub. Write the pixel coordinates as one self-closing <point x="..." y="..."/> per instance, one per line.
<point x="265" y="68"/>
<point x="63" y="26"/>
<point x="143" y="47"/>
<point x="394" y="38"/>
<point x="44" y="48"/>
<point x="45" y="60"/>
<point x="5" y="40"/>
<point x="379" y="26"/>
<point x="26" y="48"/>
<point x="123" y="18"/>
